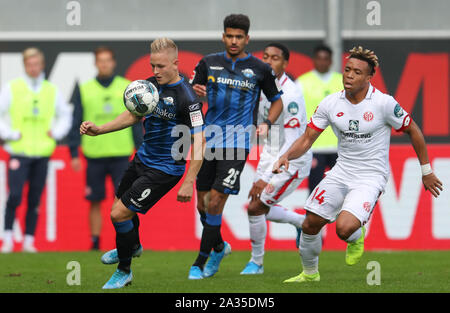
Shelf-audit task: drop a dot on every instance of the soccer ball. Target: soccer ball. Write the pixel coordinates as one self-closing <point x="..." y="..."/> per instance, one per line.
<point x="141" y="97"/>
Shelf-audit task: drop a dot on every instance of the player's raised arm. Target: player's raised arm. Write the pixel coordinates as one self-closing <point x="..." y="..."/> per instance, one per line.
<point x="298" y="148"/>
<point x="429" y="180"/>
<point x="122" y="121"/>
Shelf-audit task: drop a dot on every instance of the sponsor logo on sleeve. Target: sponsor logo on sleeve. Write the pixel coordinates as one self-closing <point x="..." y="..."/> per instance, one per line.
<point x="406" y="121"/>
<point x="293" y="108"/>
<point x="398" y="110"/>
<point x="194" y="107"/>
<point x="196" y="118"/>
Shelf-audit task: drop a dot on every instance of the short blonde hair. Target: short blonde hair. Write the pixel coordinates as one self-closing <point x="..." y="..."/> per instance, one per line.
<point x="31" y="52"/>
<point x="161" y="44"/>
<point x="365" y="55"/>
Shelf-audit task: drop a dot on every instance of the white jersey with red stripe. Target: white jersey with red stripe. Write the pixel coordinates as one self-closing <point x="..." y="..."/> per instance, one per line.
<point x="363" y="131"/>
<point x="289" y="126"/>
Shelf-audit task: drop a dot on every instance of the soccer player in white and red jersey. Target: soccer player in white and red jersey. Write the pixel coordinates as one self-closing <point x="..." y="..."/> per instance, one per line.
<point x="361" y="117"/>
<point x="269" y="189"/>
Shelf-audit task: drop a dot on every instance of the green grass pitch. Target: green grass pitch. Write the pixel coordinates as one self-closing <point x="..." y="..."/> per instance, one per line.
<point x="166" y="272"/>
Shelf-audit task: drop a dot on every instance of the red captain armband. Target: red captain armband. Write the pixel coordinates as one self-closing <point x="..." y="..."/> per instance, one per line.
<point x="293" y="123"/>
<point x="405" y="124"/>
<point x="311" y="125"/>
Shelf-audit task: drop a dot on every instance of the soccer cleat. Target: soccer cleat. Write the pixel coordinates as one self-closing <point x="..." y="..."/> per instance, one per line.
<point x="297" y="239"/>
<point x="29" y="249"/>
<point x="7" y="247"/>
<point x="303" y="278"/>
<point x="111" y="256"/>
<point x="214" y="260"/>
<point x="119" y="279"/>
<point x="355" y="249"/>
<point x="252" y="268"/>
<point x="195" y="273"/>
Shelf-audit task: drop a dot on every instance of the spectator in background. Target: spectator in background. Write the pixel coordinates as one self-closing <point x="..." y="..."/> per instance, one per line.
<point x="316" y="85"/>
<point x="100" y="100"/>
<point x="34" y="116"/>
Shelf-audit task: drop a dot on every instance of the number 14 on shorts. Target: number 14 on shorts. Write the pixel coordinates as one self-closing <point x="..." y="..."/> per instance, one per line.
<point x="319" y="195"/>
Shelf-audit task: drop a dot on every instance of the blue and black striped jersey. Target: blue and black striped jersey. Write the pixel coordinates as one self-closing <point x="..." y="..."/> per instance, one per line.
<point x="233" y="91"/>
<point x="178" y="105"/>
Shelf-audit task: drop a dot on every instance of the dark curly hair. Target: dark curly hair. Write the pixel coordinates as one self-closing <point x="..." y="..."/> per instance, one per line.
<point x="239" y="21"/>
<point x="365" y="55"/>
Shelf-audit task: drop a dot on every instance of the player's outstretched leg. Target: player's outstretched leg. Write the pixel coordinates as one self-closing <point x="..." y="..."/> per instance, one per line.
<point x="355" y="246"/>
<point x="279" y="214"/>
<point x="111" y="257"/>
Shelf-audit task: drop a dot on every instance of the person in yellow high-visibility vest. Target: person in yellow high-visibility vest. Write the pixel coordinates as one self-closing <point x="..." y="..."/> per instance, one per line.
<point x="100" y="99"/>
<point x="33" y="117"/>
<point x="316" y="85"/>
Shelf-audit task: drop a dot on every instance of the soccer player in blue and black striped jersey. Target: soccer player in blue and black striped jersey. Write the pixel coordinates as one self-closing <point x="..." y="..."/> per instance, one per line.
<point x="159" y="163"/>
<point x="232" y="81"/>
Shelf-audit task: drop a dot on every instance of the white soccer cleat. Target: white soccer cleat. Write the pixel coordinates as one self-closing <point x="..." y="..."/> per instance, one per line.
<point x="7" y="247"/>
<point x="29" y="249"/>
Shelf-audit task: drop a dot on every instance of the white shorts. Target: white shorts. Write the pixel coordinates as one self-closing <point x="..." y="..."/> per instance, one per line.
<point x="334" y="195"/>
<point x="280" y="186"/>
<point x="283" y="184"/>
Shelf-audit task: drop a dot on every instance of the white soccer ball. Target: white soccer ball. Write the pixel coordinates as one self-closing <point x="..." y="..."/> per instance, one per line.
<point x="141" y="97"/>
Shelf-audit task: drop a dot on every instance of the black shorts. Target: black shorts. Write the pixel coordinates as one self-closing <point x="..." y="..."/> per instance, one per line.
<point x="142" y="186"/>
<point x="96" y="172"/>
<point x="222" y="174"/>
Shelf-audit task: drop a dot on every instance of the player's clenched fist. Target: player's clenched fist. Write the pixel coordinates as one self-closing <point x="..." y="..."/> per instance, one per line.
<point x="89" y="128"/>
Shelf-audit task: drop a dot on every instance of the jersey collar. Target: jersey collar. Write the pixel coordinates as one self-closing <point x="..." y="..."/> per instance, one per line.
<point x="238" y="59"/>
<point x="283" y="79"/>
<point x="175" y="84"/>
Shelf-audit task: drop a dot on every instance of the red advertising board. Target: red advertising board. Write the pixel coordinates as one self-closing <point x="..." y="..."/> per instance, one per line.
<point x="406" y="217"/>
